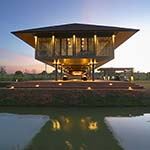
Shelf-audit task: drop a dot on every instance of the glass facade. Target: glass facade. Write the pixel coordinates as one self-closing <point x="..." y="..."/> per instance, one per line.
<point x="64" y="47"/>
<point x="44" y="47"/>
<point x="77" y="46"/>
<point x="57" y="47"/>
<point x="104" y="46"/>
<point x="69" y="46"/>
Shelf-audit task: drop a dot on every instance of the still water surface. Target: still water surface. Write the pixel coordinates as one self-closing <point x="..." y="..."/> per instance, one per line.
<point x="44" y="128"/>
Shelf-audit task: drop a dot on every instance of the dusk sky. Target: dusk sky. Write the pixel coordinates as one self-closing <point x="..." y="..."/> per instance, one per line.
<point x="25" y="14"/>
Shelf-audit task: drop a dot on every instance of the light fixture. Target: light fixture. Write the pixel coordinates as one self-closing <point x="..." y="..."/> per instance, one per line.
<point x="113" y="38"/>
<point x="12" y="87"/>
<point x="35" y="39"/>
<point x="110" y="84"/>
<point x="37" y="85"/>
<point x="89" y="88"/>
<point x="130" y="88"/>
<point x="77" y="73"/>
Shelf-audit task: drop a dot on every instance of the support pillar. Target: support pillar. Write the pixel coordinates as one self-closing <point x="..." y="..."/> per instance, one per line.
<point x="93" y="70"/>
<point x="56" y="71"/>
<point x="61" y="72"/>
<point x="89" y="70"/>
<point x="45" y="67"/>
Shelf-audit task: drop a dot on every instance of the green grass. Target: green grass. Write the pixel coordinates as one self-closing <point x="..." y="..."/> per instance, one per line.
<point x="145" y="83"/>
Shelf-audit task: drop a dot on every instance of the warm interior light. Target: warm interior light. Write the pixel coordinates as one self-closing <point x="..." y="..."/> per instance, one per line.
<point x="35" y="39"/>
<point x="110" y="84"/>
<point x="113" y="38"/>
<point x="54" y="62"/>
<point x="95" y="37"/>
<point x="58" y="61"/>
<point x="95" y="61"/>
<point x="77" y="73"/>
<point x="60" y="84"/>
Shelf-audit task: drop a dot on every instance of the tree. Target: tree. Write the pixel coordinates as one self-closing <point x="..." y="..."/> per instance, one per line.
<point x="18" y="73"/>
<point x="43" y="73"/>
<point x="3" y="70"/>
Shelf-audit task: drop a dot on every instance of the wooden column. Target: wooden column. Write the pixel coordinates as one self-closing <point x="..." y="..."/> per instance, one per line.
<point x="56" y="71"/>
<point x="89" y="71"/>
<point x="61" y="72"/>
<point x="93" y="70"/>
<point x="95" y="44"/>
<point x="53" y="45"/>
<point x="74" y="45"/>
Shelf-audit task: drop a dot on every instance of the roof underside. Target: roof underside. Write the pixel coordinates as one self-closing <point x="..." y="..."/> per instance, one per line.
<point x="78" y="29"/>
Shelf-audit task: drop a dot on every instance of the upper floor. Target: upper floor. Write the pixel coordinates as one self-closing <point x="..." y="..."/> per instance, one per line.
<point x="74" y="46"/>
<point x="75" y="41"/>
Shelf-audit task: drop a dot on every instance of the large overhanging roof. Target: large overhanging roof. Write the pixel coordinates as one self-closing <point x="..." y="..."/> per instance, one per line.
<point x="122" y="34"/>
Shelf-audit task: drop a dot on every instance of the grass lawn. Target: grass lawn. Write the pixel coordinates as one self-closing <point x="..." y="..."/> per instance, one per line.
<point x="145" y="83"/>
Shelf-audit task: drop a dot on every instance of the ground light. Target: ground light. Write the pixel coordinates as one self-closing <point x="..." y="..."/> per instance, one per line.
<point x="110" y="84"/>
<point x="37" y="85"/>
<point x="130" y="88"/>
<point x="89" y="88"/>
<point x="12" y="87"/>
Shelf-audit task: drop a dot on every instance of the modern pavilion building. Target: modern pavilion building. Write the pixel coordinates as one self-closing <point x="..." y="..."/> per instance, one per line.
<point x="75" y="49"/>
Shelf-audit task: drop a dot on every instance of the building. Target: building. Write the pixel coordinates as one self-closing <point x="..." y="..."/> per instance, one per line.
<point x="75" y="49"/>
<point x="116" y="73"/>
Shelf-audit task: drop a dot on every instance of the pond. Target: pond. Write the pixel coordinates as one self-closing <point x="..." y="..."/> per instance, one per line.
<point x="45" y="128"/>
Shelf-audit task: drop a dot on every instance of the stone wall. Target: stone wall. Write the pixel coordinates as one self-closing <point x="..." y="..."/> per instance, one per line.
<point x="50" y="97"/>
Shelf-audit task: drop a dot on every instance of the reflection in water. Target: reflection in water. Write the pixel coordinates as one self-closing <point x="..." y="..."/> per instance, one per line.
<point x="17" y="131"/>
<point x="133" y="133"/>
<point x="69" y="145"/>
<point x="93" y="125"/>
<point x="61" y="123"/>
<point x="74" y="128"/>
<point x="55" y="125"/>
<point x="88" y="123"/>
<point x="64" y="123"/>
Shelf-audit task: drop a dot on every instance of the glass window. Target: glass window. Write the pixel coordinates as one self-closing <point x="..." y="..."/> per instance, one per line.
<point x="63" y="47"/>
<point x="81" y="46"/>
<point x="78" y="46"/>
<point x="91" y="46"/>
<point x="70" y="46"/>
<point x="104" y="46"/>
<point x="57" y="47"/>
<point x="45" y="46"/>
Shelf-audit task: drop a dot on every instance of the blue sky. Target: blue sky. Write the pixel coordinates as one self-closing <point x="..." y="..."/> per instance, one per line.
<point x="24" y="14"/>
